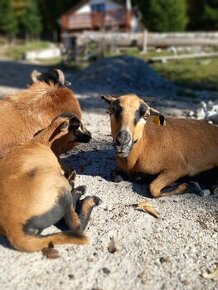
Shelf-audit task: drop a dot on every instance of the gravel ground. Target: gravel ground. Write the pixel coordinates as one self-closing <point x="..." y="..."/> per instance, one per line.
<point x="169" y="252"/>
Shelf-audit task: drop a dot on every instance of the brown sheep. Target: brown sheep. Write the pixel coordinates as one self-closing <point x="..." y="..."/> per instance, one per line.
<point x="34" y="193"/>
<point x="181" y="148"/>
<point x="28" y="111"/>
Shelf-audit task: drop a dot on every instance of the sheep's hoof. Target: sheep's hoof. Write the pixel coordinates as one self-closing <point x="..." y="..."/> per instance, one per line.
<point x="117" y="176"/>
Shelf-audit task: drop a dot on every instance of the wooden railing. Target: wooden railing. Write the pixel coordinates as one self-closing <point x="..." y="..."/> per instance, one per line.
<point x="96" y="20"/>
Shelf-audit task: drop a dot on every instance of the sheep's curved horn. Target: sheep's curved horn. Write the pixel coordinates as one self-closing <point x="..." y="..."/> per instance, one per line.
<point x="154" y="112"/>
<point x="60" y="76"/>
<point x="108" y="99"/>
<point x="35" y="76"/>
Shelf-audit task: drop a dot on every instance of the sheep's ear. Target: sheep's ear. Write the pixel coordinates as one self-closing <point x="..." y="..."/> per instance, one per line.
<point x="74" y="123"/>
<point x="35" y="76"/>
<point x="108" y="99"/>
<point x="159" y="119"/>
<point x="64" y="126"/>
<point x="60" y="76"/>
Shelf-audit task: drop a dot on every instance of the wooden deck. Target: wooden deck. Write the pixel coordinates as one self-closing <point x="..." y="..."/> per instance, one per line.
<point x="95" y="20"/>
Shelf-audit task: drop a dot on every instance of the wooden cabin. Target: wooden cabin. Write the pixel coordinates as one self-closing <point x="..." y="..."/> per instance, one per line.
<point x="95" y="15"/>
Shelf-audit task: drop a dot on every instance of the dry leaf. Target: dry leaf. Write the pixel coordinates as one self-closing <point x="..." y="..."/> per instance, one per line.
<point x="146" y="206"/>
<point x="213" y="275"/>
<point x="50" y="252"/>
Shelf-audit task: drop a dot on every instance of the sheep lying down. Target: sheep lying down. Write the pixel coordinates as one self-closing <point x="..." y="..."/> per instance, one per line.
<point x="35" y="193"/>
<point x="169" y="148"/>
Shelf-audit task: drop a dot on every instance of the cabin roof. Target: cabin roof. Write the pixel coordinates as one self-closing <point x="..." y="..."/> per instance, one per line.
<point x="83" y="2"/>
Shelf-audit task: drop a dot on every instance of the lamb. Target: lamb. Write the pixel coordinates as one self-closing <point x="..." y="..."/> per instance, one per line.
<point x="27" y="112"/>
<point x="143" y="144"/>
<point x="35" y="194"/>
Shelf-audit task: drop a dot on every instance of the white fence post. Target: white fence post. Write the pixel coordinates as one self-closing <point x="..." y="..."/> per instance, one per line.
<point x="145" y="42"/>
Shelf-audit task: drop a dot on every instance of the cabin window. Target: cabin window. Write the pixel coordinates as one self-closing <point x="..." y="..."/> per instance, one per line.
<point x="98" y="7"/>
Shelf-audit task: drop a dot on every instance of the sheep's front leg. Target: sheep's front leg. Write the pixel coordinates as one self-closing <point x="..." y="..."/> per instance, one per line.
<point x="84" y="209"/>
<point x="78" y="216"/>
<point x="163" y="180"/>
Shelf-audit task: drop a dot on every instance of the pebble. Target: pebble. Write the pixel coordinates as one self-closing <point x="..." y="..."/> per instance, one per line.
<point x="205" y="192"/>
<point x="106" y="270"/>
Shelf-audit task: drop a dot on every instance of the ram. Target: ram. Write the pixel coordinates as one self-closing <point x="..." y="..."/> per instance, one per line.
<point x="143" y="143"/>
<point x="34" y="193"/>
<point x="28" y="111"/>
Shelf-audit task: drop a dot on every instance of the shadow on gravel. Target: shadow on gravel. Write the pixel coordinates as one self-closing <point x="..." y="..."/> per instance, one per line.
<point x="5" y="243"/>
<point x="93" y="162"/>
<point x="99" y="163"/>
<point x="17" y="74"/>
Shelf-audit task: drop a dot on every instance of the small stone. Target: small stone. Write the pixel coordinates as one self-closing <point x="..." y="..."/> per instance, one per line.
<point x="203" y="224"/>
<point x="112" y="246"/>
<point x="70" y="276"/>
<point x="205" y="192"/>
<point x="185" y="282"/>
<point x="164" y="259"/>
<point x="106" y="270"/>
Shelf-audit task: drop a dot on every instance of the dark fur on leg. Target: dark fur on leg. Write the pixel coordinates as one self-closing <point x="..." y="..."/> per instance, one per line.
<point x="84" y="209"/>
<point x="77" y="218"/>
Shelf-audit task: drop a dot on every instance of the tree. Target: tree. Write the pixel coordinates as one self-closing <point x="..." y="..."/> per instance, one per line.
<point x="210" y="15"/>
<point x="195" y="12"/>
<point x="8" y="21"/>
<point x="51" y="11"/>
<point x="30" y="19"/>
<point x="164" y="15"/>
<point x="203" y="14"/>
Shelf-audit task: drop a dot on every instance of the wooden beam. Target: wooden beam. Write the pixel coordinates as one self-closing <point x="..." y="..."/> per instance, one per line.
<point x="183" y="56"/>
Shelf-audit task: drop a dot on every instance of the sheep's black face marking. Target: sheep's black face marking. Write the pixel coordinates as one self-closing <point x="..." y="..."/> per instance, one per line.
<point x="38" y="223"/>
<point x="140" y="113"/>
<point x="117" y="109"/>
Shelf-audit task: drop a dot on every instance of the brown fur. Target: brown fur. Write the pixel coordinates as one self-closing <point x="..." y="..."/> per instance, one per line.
<point x="31" y="184"/>
<point x="182" y="147"/>
<point x="28" y="111"/>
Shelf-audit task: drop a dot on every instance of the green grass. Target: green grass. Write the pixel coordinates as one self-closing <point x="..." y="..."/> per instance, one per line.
<point x="201" y="73"/>
<point x="16" y="51"/>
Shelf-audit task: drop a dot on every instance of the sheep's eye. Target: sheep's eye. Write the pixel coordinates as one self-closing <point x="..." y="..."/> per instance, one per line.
<point x="115" y="109"/>
<point x="140" y="113"/>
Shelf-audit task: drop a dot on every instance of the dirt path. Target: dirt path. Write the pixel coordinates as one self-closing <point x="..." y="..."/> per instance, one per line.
<point x="171" y="252"/>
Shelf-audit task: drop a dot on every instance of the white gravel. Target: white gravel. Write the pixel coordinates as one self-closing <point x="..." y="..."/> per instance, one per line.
<point x="171" y="252"/>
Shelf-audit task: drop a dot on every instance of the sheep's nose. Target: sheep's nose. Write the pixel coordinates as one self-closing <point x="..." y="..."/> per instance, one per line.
<point x="123" y="138"/>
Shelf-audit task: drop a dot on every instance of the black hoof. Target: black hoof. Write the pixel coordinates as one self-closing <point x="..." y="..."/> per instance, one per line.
<point x="97" y="200"/>
<point x="115" y="176"/>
